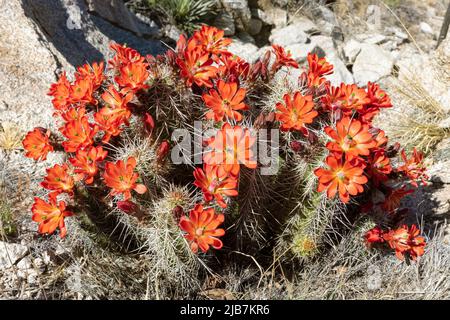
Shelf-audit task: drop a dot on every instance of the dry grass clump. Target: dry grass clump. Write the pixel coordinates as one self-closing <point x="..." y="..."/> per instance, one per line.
<point x="417" y="119"/>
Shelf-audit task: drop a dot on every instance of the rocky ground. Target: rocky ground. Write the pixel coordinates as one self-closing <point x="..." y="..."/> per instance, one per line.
<point x="365" y="40"/>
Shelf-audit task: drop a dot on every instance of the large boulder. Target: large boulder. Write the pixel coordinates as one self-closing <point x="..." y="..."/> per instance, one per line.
<point x="40" y="38"/>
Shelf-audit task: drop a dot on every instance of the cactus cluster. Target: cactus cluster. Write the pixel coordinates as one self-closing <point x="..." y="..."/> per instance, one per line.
<point x="325" y="163"/>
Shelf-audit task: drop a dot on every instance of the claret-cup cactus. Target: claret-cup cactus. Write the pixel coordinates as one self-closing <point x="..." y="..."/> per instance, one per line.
<point x="279" y="162"/>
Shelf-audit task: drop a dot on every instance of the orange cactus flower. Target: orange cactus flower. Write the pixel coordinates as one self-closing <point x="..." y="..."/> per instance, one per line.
<point x="37" y="144"/>
<point x="414" y="167"/>
<point x="393" y="199"/>
<point x="378" y="98"/>
<point x="116" y="109"/>
<point x="85" y="163"/>
<point x="124" y="56"/>
<point x="215" y="184"/>
<point x="351" y="137"/>
<point x="381" y="139"/>
<point x="81" y="92"/>
<point x="296" y="112"/>
<point x="417" y="243"/>
<point x="59" y="178"/>
<point x="233" y="68"/>
<point x="60" y="91"/>
<point x="318" y="67"/>
<point x="374" y="235"/>
<point x="74" y="113"/>
<point x="109" y="122"/>
<point x="283" y="58"/>
<point x="50" y="215"/>
<point x="201" y="228"/>
<point x="225" y="101"/>
<point x="80" y="134"/>
<point x="212" y="41"/>
<point x="121" y="178"/>
<point x="195" y="67"/>
<point x="133" y="76"/>
<point x="345" y="175"/>
<point x="404" y="240"/>
<point x="115" y="99"/>
<point x="230" y="147"/>
<point x="379" y="167"/>
<point x="92" y="72"/>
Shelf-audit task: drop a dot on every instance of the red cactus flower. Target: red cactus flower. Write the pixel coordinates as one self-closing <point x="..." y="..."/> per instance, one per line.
<point x="121" y="178"/>
<point x="230" y="147"/>
<point x="109" y="122"/>
<point x="124" y="56"/>
<point x="345" y="175"/>
<point x="201" y="227"/>
<point x="163" y="151"/>
<point x="80" y="134"/>
<point x="318" y="67"/>
<point x="404" y="240"/>
<point x="92" y="72"/>
<point x="149" y="123"/>
<point x="115" y="99"/>
<point x="50" y="215"/>
<point x="85" y="163"/>
<point x="60" y="91"/>
<point x="379" y="167"/>
<point x="350" y="137"/>
<point x="81" y="92"/>
<point x="233" y="68"/>
<point x="195" y="67"/>
<point x="374" y="235"/>
<point x="37" y="144"/>
<point x="225" y="101"/>
<point x="378" y="98"/>
<point x="393" y="199"/>
<point x="215" y="184"/>
<point x="59" y="178"/>
<point x="381" y="139"/>
<point x="73" y="113"/>
<point x="417" y="243"/>
<point x="133" y="76"/>
<point x="283" y="58"/>
<point x="414" y="167"/>
<point x="212" y="41"/>
<point x="296" y="112"/>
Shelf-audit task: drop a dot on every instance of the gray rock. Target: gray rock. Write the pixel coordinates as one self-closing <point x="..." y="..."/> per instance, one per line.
<point x="440" y="172"/>
<point x="240" y="11"/>
<point x="254" y="26"/>
<point x="325" y="43"/>
<point x="305" y="25"/>
<point x="53" y="35"/>
<point x="245" y="37"/>
<point x="426" y="28"/>
<point x="375" y="39"/>
<point x="116" y="12"/>
<point x="10" y="254"/>
<point x="288" y="35"/>
<point x="325" y="13"/>
<point x="351" y="50"/>
<point x="244" y="50"/>
<point x="300" y="51"/>
<point x="372" y="64"/>
<point x="275" y="16"/>
<point x="225" y="21"/>
<point x="340" y="72"/>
